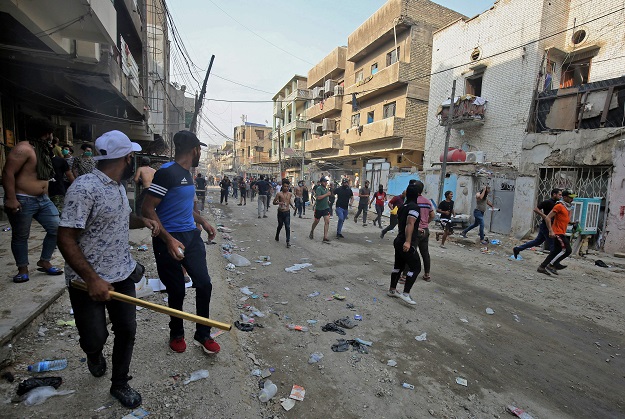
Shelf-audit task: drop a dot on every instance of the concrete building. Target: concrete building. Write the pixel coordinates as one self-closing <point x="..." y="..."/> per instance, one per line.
<point x="530" y="79"/>
<point x="252" y="145"/>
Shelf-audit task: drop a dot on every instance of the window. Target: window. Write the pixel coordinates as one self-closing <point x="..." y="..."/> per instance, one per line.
<point x="369" y="117"/>
<point x="374" y="68"/>
<point x="249" y="154"/>
<point x="359" y="76"/>
<point x="473" y="85"/>
<point x="389" y="110"/>
<point x="243" y="133"/>
<point x="578" y="37"/>
<point x="575" y="73"/>
<point x="356" y="120"/>
<point x="392" y="57"/>
<point x="399" y="159"/>
<point x="260" y="134"/>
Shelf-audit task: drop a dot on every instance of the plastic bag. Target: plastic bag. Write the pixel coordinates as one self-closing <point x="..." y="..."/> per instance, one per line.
<point x="40" y="394"/>
<point x="237" y="260"/>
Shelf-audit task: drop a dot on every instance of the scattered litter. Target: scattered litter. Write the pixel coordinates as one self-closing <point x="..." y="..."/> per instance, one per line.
<point x="66" y="322"/>
<point x="230" y="267"/>
<point x="246" y="318"/>
<point x="244" y="327"/>
<point x="287" y="404"/>
<point x="137" y="414"/>
<point x="369" y="241"/>
<point x="266" y="263"/>
<point x="462" y="381"/>
<point x="265" y="373"/>
<point x="331" y="327"/>
<point x="490" y="311"/>
<point x="32" y="383"/>
<point x="422" y="337"/>
<point x="495" y="242"/>
<point x="516" y="318"/>
<point x="195" y="376"/>
<point x="42" y="331"/>
<point x="297" y="393"/>
<point x="311" y="322"/>
<point x="217" y="333"/>
<point x="357" y="317"/>
<point x="464" y="320"/>
<point x="391" y="363"/>
<point x="237" y="260"/>
<point x="341" y="346"/>
<point x="6" y="229"/>
<point x="315" y="357"/>
<point x="223" y="229"/>
<point x="104" y="406"/>
<point x="263" y="259"/>
<point x="312" y="270"/>
<point x="408" y="386"/>
<point x="246" y="291"/>
<point x="518" y="412"/>
<point x="268" y="391"/>
<point x="364" y="342"/>
<point x="339" y="297"/>
<point x="601" y="264"/>
<point x="256" y="372"/>
<point x="281" y="302"/>
<point x="346" y="288"/>
<point x="297" y="267"/>
<point x="313" y="294"/>
<point x="346" y="322"/>
<point x="519" y="257"/>
<point x="297" y="327"/>
<point x="40" y="394"/>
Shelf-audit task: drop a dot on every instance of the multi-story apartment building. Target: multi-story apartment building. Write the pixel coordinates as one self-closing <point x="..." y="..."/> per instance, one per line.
<point x="290" y="126"/>
<point x="532" y="110"/>
<point x="252" y="145"/>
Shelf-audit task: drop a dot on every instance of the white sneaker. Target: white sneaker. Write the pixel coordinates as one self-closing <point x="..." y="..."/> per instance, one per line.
<point x="406" y="298"/>
<point x="392" y="293"/>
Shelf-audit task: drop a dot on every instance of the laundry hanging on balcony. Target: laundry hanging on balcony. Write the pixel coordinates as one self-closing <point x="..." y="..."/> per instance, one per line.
<point x="467" y="108"/>
<point x="355" y="106"/>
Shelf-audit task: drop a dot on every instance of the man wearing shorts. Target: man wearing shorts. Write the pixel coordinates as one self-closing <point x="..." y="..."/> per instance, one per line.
<point x="322" y="208"/>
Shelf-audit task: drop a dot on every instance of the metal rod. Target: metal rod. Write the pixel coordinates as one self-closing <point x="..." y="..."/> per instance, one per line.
<point x="450" y="119"/>
<point x="160" y="308"/>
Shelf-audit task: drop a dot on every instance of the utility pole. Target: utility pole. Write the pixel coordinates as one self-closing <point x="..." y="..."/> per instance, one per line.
<point x="450" y="119"/>
<point x="279" y="152"/>
<point x="198" y="102"/>
<point x="303" y="157"/>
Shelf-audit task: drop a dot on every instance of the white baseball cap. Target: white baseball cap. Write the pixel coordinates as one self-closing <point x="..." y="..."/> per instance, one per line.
<point x="114" y="145"/>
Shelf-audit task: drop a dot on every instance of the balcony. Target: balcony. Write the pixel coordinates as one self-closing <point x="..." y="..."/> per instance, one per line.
<point x="375" y="131"/>
<point x="384" y="80"/>
<point x="298" y="124"/>
<point x="297" y="94"/>
<point x="324" y="109"/>
<point x="468" y="112"/>
<point x="277" y="108"/>
<point x="331" y="67"/>
<point x="325" y="142"/>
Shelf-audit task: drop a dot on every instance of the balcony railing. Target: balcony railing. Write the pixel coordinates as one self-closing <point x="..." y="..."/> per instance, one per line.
<point x="375" y="131"/>
<point x="322" y="109"/>
<point x="298" y="124"/>
<point x="385" y="79"/>
<point x="468" y="112"/>
<point x="298" y="94"/>
<point x="325" y="142"/>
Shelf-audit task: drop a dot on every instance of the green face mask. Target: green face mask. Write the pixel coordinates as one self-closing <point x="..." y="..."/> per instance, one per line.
<point x="88" y="154"/>
<point x="65" y="152"/>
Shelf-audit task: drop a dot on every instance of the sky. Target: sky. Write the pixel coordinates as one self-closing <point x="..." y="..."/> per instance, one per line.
<point x="259" y="45"/>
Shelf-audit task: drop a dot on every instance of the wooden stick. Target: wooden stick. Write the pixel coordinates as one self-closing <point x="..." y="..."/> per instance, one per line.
<point x="159" y="308"/>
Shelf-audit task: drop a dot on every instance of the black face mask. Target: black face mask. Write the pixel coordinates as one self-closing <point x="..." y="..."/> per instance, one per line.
<point x="129" y="171"/>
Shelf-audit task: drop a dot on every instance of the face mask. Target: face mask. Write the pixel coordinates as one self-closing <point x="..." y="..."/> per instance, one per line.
<point x="129" y="171"/>
<point x="65" y="152"/>
<point x="88" y="154"/>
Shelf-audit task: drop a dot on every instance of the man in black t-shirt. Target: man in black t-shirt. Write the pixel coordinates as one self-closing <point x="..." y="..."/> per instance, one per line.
<point x="344" y="198"/>
<point x="446" y="211"/>
<point x="405" y="245"/>
<point x="200" y="190"/>
<point x="542" y="209"/>
<point x="224" y="185"/>
<point x="56" y="186"/>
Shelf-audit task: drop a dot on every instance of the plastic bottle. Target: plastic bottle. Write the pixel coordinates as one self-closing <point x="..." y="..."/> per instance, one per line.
<point x="268" y="391"/>
<point x="196" y="375"/>
<point x="56" y="365"/>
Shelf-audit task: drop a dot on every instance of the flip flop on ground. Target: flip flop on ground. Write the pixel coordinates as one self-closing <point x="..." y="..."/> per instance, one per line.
<point x="51" y="270"/>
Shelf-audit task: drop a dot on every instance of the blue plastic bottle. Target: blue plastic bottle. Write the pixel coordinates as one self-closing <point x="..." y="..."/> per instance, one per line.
<point x="43" y="366"/>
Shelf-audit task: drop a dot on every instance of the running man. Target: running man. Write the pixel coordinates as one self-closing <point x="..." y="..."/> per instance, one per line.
<point x="344" y="198"/>
<point x="394" y="205"/>
<point x="542" y="209"/>
<point x="322" y="209"/>
<point x="557" y="221"/>
<point x="446" y="211"/>
<point x="284" y="202"/>
<point x="363" y="194"/>
<point x="379" y="197"/>
<point x="481" y="200"/>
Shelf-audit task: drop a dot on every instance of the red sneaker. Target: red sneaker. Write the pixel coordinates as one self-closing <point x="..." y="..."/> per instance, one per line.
<point x="208" y="345"/>
<point x="178" y="345"/>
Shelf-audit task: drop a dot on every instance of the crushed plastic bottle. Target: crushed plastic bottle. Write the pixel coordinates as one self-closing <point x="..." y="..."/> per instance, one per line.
<point x="41" y="394"/>
<point x="237" y="260"/>
<point x="49" y="365"/>
<point x="195" y="376"/>
<point x="315" y="357"/>
<point x="247" y="319"/>
<point x="297" y="327"/>
<point x="268" y="391"/>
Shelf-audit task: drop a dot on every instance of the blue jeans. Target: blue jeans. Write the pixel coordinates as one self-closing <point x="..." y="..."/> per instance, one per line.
<point x="299" y="205"/>
<point x="41" y="209"/>
<point x="479" y="221"/>
<point x="342" y="214"/>
<point x="542" y="237"/>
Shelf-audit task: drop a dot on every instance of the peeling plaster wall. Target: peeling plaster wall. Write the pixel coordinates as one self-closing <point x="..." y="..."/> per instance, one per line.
<point x="615" y="226"/>
<point x="464" y="196"/>
<point x="524" y="197"/>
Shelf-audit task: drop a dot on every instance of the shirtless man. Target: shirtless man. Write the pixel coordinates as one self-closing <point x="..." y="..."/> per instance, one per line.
<point x="25" y="180"/>
<point x="284" y="202"/>
<point x="143" y="178"/>
<point x="299" y="201"/>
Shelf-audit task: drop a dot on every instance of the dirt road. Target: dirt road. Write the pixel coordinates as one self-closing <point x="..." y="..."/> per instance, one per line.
<point x="553" y="346"/>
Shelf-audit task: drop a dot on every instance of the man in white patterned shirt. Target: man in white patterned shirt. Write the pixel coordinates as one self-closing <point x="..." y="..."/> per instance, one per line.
<point x="93" y="238"/>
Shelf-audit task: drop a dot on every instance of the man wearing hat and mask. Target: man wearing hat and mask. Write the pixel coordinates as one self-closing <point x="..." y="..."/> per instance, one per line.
<point x="557" y="221"/>
<point x="93" y="238"/>
<point x="170" y="203"/>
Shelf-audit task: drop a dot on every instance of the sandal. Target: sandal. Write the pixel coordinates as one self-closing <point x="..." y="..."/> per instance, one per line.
<point x="427" y="277"/>
<point x="51" y="270"/>
<point x="19" y="278"/>
<point x="331" y="327"/>
<point x="346" y="322"/>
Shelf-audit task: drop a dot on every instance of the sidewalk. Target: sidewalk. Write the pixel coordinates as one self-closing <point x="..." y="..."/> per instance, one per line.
<point x="22" y="303"/>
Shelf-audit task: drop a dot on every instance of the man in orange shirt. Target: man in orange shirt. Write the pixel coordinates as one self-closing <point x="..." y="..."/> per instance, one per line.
<point x="557" y="221"/>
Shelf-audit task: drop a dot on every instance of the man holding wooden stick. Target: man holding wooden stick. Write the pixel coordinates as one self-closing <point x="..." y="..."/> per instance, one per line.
<point x="170" y="203"/>
<point x="93" y="238"/>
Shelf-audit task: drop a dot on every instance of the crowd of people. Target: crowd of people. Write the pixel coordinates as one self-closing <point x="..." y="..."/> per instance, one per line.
<point x="83" y="206"/>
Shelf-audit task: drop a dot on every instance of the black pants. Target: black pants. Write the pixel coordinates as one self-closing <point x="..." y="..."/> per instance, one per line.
<point x="224" y="195"/>
<point x="170" y="272"/>
<point x="91" y="324"/>
<point x="284" y="219"/>
<point x="403" y="259"/>
<point x="362" y="209"/>
<point x="560" y="250"/>
<point x="392" y="225"/>
<point x="422" y="242"/>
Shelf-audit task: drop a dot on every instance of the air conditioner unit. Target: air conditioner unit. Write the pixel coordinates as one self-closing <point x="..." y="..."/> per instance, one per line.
<point x="328" y="125"/>
<point x="330" y="85"/>
<point x="338" y="90"/>
<point x="315" y="127"/>
<point x="476" y="157"/>
<point x="318" y="93"/>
